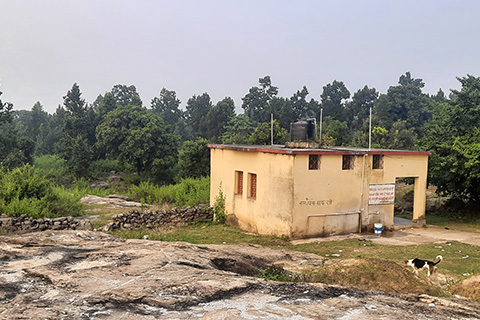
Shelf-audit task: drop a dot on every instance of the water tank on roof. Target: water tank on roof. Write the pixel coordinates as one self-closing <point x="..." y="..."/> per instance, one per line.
<point x="303" y="130"/>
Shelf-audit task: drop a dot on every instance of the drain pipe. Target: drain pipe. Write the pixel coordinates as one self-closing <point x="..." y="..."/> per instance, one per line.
<point x="362" y="208"/>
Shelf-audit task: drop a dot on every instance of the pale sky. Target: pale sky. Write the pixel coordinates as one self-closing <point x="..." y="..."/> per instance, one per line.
<point x="223" y="47"/>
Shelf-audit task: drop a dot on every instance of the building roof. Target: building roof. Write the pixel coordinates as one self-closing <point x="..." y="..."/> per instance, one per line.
<point x="323" y="150"/>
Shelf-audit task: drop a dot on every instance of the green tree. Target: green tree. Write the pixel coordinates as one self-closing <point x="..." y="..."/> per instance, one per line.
<point x="194" y="159"/>
<point x="197" y="110"/>
<point x="51" y="134"/>
<point x="405" y="102"/>
<point x="167" y="106"/>
<point x="15" y="149"/>
<point x="335" y="132"/>
<point x="333" y="100"/>
<point x="5" y="111"/>
<point x="104" y="104"/>
<point x="263" y="133"/>
<point x="453" y="137"/>
<point x="79" y="132"/>
<point x="126" y="95"/>
<point x="217" y="118"/>
<point x="140" y="138"/>
<point x="28" y="123"/>
<point x="256" y="103"/>
<point x="238" y="130"/>
<point x="357" y="110"/>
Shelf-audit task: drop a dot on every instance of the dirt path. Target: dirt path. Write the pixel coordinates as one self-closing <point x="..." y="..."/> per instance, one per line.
<point x="409" y="236"/>
<point x="427" y="235"/>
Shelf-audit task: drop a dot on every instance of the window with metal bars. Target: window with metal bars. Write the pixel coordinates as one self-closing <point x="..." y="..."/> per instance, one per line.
<point x="378" y="161"/>
<point x="252" y="186"/>
<point x="313" y="162"/>
<point x="238" y="183"/>
<point x="347" y="162"/>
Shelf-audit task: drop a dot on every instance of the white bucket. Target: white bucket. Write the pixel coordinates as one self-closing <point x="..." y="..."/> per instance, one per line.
<point x="378" y="228"/>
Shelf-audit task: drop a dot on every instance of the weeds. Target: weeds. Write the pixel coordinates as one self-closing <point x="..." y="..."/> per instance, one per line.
<point x="219" y="211"/>
<point x="189" y="192"/>
<point x="277" y="273"/>
<point x="25" y="191"/>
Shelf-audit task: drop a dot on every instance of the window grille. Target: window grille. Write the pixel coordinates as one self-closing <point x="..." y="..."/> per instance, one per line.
<point x="378" y="161"/>
<point x="252" y="193"/>
<point x="239" y="183"/>
<point x="347" y="162"/>
<point x="313" y="162"/>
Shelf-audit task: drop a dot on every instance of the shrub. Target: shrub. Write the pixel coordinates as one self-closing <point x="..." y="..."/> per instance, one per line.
<point x="219" y="210"/>
<point x="53" y="167"/>
<point x="189" y="192"/>
<point x="25" y="191"/>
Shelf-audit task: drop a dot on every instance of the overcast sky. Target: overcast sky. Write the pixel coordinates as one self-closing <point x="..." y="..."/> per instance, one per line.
<point x="223" y="47"/>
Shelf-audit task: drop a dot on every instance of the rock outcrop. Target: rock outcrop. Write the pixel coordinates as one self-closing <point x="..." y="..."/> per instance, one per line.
<point x="91" y="275"/>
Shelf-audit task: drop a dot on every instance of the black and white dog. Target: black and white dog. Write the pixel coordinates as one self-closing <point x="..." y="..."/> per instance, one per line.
<point x="418" y="264"/>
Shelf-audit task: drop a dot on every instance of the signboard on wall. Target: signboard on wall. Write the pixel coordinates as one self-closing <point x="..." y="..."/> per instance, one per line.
<point x="381" y="194"/>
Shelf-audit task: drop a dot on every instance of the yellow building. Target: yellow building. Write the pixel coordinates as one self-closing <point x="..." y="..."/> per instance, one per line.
<point x="308" y="192"/>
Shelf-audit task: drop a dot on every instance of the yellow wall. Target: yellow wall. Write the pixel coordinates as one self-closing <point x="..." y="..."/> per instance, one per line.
<point x="293" y="200"/>
<point x="270" y="212"/>
<point x="329" y="190"/>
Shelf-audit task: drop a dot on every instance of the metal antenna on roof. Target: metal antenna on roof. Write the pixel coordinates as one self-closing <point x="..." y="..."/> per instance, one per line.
<point x="321" y="121"/>
<point x="370" y="131"/>
<point x="271" y="127"/>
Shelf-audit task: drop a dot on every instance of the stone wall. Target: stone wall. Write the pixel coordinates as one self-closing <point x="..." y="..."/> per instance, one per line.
<point x="28" y="224"/>
<point x="152" y="219"/>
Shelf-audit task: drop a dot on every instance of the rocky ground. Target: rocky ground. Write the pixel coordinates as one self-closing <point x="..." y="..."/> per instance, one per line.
<point x="92" y="275"/>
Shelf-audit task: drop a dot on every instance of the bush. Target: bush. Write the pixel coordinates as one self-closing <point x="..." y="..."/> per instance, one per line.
<point x="25" y="191"/>
<point x="219" y="210"/>
<point x="53" y="167"/>
<point x="189" y="192"/>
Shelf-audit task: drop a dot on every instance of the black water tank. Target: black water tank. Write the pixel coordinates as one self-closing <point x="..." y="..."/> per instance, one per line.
<point x="303" y="130"/>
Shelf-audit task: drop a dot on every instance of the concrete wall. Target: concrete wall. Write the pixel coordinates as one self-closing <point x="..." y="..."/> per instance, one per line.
<point x="270" y="212"/>
<point x="325" y="200"/>
<point x="293" y="200"/>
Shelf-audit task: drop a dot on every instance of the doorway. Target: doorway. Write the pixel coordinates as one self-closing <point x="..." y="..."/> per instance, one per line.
<point x="404" y="201"/>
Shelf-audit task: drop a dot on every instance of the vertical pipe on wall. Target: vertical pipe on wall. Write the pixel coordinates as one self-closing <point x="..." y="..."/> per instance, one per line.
<point x="362" y="207"/>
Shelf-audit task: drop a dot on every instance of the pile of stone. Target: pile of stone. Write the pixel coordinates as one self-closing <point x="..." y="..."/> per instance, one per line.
<point x="136" y="219"/>
<point x="28" y="224"/>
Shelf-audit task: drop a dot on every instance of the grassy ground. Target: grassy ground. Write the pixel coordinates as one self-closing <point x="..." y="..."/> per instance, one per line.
<point x="454" y="263"/>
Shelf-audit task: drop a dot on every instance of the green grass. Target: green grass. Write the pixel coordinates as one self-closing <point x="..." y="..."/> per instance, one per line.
<point x="188" y="192"/>
<point x="453" y="253"/>
<point x="204" y="233"/>
<point x="213" y="233"/>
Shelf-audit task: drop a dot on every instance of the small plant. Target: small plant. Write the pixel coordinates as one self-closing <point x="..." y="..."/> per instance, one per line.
<point x="277" y="273"/>
<point x="219" y="210"/>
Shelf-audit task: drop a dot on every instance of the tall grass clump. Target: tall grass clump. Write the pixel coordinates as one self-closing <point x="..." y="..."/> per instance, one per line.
<point x="53" y="167"/>
<point x="188" y="192"/>
<point x="25" y="191"/>
<point x="102" y="167"/>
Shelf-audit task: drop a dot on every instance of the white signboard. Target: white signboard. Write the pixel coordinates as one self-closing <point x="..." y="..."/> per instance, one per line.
<point x="381" y="194"/>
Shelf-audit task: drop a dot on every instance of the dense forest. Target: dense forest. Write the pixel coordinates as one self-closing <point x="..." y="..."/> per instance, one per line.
<point x="162" y="143"/>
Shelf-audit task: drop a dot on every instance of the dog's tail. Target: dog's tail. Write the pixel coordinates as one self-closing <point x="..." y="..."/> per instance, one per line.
<point x="440" y="258"/>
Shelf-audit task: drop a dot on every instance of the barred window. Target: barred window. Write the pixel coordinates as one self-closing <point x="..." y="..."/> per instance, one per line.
<point x="239" y="183"/>
<point x="347" y="162"/>
<point x="378" y="161"/>
<point x="313" y="162"/>
<point x="252" y="189"/>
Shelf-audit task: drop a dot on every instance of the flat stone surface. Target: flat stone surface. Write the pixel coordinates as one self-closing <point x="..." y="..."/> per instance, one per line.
<point x="92" y="275"/>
